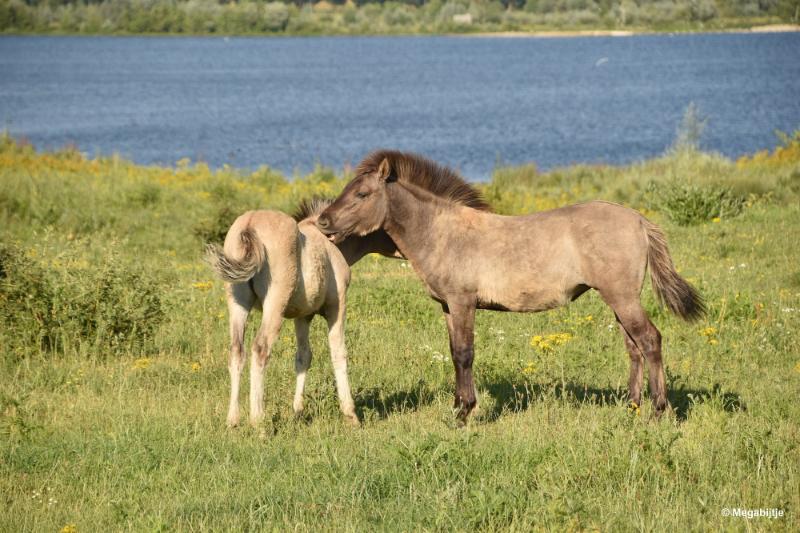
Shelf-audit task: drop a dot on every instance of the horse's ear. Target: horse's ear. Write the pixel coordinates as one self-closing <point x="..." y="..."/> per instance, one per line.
<point x="385" y="170"/>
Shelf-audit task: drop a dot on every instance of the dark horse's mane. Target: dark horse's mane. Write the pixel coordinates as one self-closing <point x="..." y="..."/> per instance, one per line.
<point x="427" y="174"/>
<point x="310" y="207"/>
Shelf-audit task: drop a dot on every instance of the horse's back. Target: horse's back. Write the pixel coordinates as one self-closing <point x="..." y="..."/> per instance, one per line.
<point x="596" y="240"/>
<point x="277" y="232"/>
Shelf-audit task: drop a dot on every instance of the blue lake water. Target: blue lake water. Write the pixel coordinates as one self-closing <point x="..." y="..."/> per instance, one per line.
<point x="467" y="102"/>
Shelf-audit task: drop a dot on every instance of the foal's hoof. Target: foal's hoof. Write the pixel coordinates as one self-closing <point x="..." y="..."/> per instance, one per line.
<point x="352" y="421"/>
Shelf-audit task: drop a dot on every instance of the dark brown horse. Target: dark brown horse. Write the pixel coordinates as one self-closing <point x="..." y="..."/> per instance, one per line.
<point x="471" y="259"/>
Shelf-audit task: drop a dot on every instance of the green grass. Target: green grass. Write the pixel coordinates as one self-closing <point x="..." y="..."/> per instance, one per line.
<point x="104" y="433"/>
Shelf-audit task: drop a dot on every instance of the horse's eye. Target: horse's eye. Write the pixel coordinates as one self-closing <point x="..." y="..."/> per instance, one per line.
<point x="362" y="195"/>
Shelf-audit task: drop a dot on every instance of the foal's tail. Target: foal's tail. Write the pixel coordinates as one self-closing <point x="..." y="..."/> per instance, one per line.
<point x="243" y="269"/>
<point x="673" y="291"/>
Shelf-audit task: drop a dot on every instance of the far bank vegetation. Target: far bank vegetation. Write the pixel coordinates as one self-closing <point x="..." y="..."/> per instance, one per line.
<point x="208" y="17"/>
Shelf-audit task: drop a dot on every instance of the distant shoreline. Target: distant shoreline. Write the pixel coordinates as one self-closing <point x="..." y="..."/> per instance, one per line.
<point x="515" y="34"/>
<point x="770" y="28"/>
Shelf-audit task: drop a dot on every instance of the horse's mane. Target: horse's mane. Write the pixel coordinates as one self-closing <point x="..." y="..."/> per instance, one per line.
<point x="309" y="207"/>
<point x="426" y="174"/>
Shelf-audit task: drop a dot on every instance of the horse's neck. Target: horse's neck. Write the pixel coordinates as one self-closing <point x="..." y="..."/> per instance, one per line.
<point x="412" y="223"/>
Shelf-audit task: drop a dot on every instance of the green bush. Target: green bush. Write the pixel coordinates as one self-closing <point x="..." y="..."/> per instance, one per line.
<point x="120" y="306"/>
<point x="27" y="300"/>
<point x="276" y="16"/>
<point x="60" y="303"/>
<point x="687" y="204"/>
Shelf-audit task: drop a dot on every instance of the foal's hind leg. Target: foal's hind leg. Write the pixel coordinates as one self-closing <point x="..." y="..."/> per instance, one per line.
<point x="240" y="300"/>
<point x="302" y="360"/>
<point x="274" y="306"/>
<point x="642" y="338"/>
<point x="335" y="315"/>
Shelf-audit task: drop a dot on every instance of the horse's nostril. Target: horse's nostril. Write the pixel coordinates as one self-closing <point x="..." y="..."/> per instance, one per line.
<point x="323" y="222"/>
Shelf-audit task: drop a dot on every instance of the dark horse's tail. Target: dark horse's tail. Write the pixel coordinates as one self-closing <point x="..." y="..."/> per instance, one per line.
<point x="243" y="269"/>
<point x="673" y="291"/>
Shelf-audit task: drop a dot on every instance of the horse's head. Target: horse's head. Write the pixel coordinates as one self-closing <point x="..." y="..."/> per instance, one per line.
<point x="361" y="208"/>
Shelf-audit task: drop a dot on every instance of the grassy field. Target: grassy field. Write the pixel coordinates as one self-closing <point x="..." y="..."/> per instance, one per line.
<point x="113" y="347"/>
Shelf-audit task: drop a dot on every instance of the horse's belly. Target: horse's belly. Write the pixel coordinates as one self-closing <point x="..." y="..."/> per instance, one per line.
<point x="525" y="301"/>
<point x="531" y="293"/>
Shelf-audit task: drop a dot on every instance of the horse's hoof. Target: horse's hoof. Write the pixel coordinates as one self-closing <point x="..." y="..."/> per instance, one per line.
<point x="658" y="414"/>
<point x="660" y="407"/>
<point x="461" y="420"/>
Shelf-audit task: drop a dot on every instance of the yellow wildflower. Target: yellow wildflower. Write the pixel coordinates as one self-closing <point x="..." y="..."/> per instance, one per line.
<point x="529" y="369"/>
<point x="708" y="331"/>
<point x="547" y="342"/>
<point x="713" y="342"/>
<point x="203" y="285"/>
<point x="141" y="364"/>
<point x="195" y="367"/>
<point x="69" y="528"/>
<point x="559" y="338"/>
<point x="715" y="220"/>
<point x="634" y="408"/>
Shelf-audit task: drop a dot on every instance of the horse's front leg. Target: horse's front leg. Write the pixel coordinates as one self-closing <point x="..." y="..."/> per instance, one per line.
<point x="460" y="325"/>
<point x="335" y="315"/>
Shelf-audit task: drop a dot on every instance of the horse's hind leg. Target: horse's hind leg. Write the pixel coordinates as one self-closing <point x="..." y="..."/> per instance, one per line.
<point x="240" y="300"/>
<point x="274" y="306"/>
<point x="335" y="315"/>
<point x="642" y="339"/>
<point x="637" y="368"/>
<point x="302" y="360"/>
